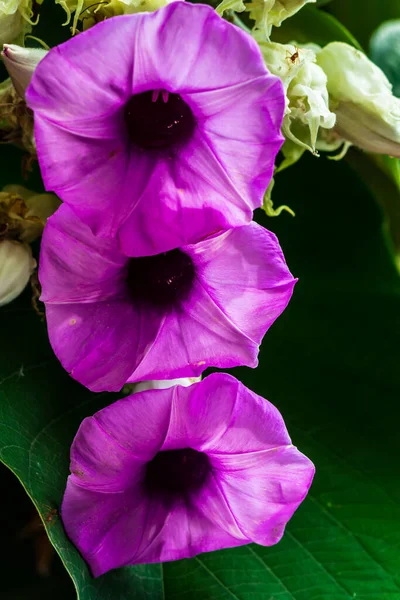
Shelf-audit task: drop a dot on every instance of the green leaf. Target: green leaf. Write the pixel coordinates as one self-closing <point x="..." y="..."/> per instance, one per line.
<point x="382" y="174"/>
<point x="391" y="166"/>
<point x="385" y="51"/>
<point x="40" y="410"/>
<point x="330" y="364"/>
<point x="362" y="17"/>
<point x="311" y="25"/>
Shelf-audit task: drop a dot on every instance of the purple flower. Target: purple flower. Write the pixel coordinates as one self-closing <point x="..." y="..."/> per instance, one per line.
<point x="166" y="123"/>
<point x="112" y="318"/>
<point x="166" y="474"/>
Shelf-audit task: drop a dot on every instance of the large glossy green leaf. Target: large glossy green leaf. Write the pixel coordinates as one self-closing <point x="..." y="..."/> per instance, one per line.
<point x="330" y="364"/>
<point x="362" y="17"/>
<point x="384" y="50"/>
<point x="382" y="174"/>
<point x="40" y="410"/>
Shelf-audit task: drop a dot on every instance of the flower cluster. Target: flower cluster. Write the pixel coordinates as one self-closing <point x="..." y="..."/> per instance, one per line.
<point x="368" y="114"/>
<point x="152" y="268"/>
<point x="307" y="98"/>
<point x="335" y="97"/>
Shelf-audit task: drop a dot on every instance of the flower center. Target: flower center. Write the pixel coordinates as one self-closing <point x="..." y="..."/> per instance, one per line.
<point x="177" y="472"/>
<point x="161" y="280"/>
<point x="158" y="120"/>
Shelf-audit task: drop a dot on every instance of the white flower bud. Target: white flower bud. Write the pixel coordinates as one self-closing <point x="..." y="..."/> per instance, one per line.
<point x="307" y="99"/>
<point x="20" y="63"/>
<point x="367" y="112"/>
<point x="16" y="267"/>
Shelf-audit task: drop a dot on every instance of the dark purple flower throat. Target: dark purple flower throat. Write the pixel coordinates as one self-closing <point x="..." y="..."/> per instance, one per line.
<point x="176" y="472"/>
<point x="161" y="280"/>
<point x="158" y="120"/>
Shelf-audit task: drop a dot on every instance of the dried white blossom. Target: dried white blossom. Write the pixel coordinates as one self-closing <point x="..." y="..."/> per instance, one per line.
<point x="307" y="99"/>
<point x="368" y="114"/>
<point x="24" y="213"/>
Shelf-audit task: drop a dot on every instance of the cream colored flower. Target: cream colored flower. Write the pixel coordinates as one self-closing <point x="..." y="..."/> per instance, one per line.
<point x="307" y="100"/>
<point x="368" y="114"/>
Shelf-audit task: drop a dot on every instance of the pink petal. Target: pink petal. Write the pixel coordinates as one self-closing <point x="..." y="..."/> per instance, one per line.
<point x="127" y="422"/>
<point x="78" y="93"/>
<point x="194" y="337"/>
<point x="245" y="273"/>
<point x="99" y="343"/>
<point x="220" y="415"/>
<point x="75" y="266"/>
<point x="263" y="489"/>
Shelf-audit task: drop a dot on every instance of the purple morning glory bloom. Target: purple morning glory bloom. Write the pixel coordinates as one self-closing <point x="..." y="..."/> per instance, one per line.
<point x="165" y="474"/>
<point x="112" y="318"/>
<point x="161" y="126"/>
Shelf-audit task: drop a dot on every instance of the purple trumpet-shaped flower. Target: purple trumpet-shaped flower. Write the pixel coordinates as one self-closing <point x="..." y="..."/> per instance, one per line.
<point x="161" y="126"/>
<point x="166" y="474"/>
<point x="112" y="318"/>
